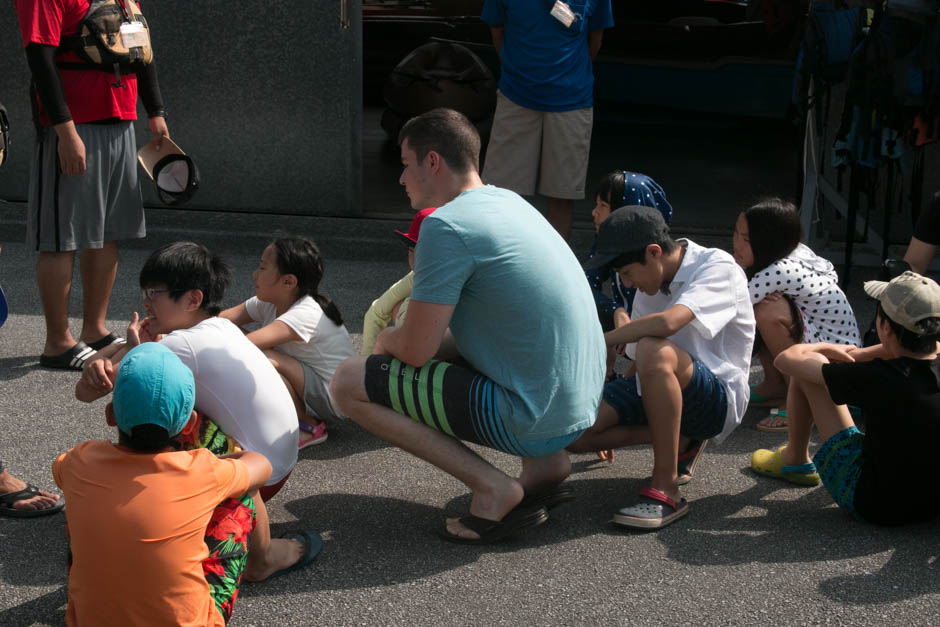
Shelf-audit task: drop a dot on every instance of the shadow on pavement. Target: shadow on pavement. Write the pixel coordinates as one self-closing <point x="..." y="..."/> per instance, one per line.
<point x="757" y="525"/>
<point x="49" y="609"/>
<point x="346" y="438"/>
<point x="375" y="541"/>
<point x="15" y="367"/>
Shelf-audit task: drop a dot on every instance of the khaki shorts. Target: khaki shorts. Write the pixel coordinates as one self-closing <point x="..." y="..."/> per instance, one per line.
<point x="547" y="147"/>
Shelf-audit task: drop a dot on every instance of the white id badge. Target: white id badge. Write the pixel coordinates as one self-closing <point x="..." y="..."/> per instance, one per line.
<point x="134" y="35"/>
<point x="563" y="13"/>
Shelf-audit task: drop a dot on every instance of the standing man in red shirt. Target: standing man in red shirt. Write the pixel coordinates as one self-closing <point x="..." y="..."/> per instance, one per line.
<point x="83" y="193"/>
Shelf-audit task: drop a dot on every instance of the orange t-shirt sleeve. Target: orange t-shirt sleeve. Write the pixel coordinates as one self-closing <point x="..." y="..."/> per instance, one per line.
<point x="232" y="478"/>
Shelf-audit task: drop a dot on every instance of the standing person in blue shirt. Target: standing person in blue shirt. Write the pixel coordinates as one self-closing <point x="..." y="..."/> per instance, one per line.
<point x="544" y="106"/>
<point x="489" y="351"/>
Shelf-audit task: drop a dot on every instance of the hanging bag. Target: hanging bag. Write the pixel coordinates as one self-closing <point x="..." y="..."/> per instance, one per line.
<point x="113" y="35"/>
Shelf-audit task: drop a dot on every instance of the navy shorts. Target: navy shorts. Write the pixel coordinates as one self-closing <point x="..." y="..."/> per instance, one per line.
<point x="453" y="399"/>
<point x="704" y="403"/>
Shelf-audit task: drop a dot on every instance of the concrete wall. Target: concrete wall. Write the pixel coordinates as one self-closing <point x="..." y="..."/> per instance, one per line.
<point x="266" y="99"/>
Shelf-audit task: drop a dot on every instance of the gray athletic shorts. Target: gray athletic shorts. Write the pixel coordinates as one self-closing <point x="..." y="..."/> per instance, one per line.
<point x="317" y="395"/>
<point x="102" y="205"/>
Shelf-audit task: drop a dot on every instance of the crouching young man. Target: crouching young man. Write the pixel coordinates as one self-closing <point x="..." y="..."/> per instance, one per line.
<point x="522" y="357"/>
<point x="690" y="338"/>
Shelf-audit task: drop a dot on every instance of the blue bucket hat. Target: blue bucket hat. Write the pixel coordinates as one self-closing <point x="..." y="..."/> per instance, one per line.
<point x="641" y="190"/>
<point x="153" y="387"/>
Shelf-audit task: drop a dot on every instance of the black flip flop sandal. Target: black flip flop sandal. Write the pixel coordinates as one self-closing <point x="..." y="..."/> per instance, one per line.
<point x="72" y="359"/>
<point x="107" y="340"/>
<point x="493" y="530"/>
<point x="30" y="491"/>
<point x="548" y="498"/>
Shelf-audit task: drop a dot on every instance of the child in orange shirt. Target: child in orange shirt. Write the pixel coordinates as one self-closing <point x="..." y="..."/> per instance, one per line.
<point x="177" y="521"/>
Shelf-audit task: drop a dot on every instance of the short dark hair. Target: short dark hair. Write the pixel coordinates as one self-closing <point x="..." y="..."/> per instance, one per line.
<point x="183" y="266"/>
<point x="146" y="438"/>
<point x="610" y="188"/>
<point x="774" y="230"/>
<point x="448" y="133"/>
<point x="639" y="256"/>
<point x="921" y="343"/>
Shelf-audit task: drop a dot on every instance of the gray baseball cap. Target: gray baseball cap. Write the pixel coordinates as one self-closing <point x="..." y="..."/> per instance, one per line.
<point x="907" y="299"/>
<point x="625" y="230"/>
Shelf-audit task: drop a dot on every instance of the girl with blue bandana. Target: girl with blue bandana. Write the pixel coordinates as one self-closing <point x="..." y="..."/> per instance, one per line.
<point x="620" y="188"/>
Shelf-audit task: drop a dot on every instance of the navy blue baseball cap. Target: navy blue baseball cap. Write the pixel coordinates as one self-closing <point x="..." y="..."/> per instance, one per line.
<point x="625" y="230"/>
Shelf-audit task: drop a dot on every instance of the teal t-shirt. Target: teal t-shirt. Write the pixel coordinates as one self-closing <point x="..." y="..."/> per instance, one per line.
<point x="524" y="316"/>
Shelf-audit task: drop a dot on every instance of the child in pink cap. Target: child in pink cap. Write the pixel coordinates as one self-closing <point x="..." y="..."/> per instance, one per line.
<point x="392" y="305"/>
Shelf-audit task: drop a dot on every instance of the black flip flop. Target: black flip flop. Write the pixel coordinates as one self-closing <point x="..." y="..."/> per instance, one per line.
<point x="107" y="340"/>
<point x="549" y="498"/>
<point x="72" y="359"/>
<point x="493" y="530"/>
<point x="30" y="491"/>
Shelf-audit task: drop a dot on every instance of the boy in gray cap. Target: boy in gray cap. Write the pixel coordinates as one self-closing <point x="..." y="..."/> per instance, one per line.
<point x="887" y="475"/>
<point x="690" y="337"/>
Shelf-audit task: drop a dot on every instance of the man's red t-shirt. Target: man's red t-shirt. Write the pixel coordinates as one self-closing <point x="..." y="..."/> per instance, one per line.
<point x="89" y="94"/>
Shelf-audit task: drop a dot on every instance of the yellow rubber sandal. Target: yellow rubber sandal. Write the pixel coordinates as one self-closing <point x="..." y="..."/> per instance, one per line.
<point x="770" y="464"/>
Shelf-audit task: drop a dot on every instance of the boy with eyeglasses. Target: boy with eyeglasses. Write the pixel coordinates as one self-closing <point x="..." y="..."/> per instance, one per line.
<point x="240" y="397"/>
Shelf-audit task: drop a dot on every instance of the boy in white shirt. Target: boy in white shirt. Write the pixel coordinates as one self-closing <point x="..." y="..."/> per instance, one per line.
<point x="237" y="388"/>
<point x="690" y="338"/>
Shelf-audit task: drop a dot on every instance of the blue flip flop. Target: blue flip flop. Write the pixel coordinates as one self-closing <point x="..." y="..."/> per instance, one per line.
<point x="313" y="544"/>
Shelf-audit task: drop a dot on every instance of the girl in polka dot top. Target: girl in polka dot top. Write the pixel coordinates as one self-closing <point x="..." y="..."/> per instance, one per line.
<point x="795" y="293"/>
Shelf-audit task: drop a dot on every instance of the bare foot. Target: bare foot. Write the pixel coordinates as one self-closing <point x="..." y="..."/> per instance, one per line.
<point x="282" y="553"/>
<point x="489" y="505"/>
<point x="773" y="421"/>
<point x="44" y="500"/>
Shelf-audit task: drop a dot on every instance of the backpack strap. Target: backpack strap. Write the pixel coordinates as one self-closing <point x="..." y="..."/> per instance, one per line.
<point x="4" y="135"/>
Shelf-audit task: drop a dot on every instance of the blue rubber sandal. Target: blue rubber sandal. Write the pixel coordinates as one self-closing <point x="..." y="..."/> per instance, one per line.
<point x="313" y="544"/>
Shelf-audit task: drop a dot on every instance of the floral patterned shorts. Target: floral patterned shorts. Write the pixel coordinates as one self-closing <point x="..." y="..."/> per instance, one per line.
<point x="227" y="539"/>
<point x="231" y="524"/>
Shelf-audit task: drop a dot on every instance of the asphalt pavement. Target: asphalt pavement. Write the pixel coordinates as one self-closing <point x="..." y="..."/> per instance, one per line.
<point x="751" y="551"/>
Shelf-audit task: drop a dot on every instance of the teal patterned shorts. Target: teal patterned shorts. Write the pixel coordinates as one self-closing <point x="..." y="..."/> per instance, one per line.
<point x="838" y="462"/>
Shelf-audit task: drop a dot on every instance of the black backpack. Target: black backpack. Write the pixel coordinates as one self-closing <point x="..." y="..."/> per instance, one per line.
<point x="438" y="74"/>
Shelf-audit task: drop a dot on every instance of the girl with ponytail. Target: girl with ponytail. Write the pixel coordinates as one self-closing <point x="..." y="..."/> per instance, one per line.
<point x="302" y="332"/>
